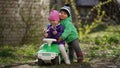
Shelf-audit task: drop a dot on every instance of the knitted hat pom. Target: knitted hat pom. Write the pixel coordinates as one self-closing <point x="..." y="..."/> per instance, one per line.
<point x="68" y="5"/>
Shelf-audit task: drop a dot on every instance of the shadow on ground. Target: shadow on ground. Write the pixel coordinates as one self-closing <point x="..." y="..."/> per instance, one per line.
<point x="35" y="65"/>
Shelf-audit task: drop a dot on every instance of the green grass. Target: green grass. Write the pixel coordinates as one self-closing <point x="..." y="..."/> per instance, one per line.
<point x="10" y="54"/>
<point x="101" y="45"/>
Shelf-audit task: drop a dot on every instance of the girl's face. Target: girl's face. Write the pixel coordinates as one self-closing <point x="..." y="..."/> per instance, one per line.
<point x="63" y="15"/>
<point x="53" y="22"/>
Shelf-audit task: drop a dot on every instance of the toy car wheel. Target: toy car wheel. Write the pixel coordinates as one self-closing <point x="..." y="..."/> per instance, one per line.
<point x="40" y="62"/>
<point x="57" y="60"/>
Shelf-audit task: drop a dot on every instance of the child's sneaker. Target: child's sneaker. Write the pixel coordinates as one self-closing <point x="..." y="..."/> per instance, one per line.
<point x="79" y="57"/>
<point x="67" y="62"/>
<point x="80" y="60"/>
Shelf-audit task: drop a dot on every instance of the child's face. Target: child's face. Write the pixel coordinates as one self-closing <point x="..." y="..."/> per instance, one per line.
<point x="63" y="15"/>
<point x="53" y="22"/>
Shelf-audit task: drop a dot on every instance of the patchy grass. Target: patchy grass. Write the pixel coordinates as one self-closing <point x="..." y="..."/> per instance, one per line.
<point x="102" y="46"/>
<point x="10" y="54"/>
<point x="99" y="47"/>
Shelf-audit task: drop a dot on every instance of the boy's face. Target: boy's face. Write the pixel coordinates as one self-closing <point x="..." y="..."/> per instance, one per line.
<point x="63" y="15"/>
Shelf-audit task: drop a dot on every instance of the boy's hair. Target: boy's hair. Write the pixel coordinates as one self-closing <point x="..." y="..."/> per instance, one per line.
<point x="54" y="15"/>
<point x="66" y="9"/>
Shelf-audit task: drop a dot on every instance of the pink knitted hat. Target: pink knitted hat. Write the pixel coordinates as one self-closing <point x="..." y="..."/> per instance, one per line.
<point x="54" y="15"/>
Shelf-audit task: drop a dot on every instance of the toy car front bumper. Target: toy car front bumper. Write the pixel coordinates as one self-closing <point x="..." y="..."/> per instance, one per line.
<point x="47" y="55"/>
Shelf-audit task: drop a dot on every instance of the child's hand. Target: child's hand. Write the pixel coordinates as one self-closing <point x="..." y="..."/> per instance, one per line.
<point x="45" y="30"/>
<point x="46" y="35"/>
<point x="54" y="32"/>
<point x="59" y="39"/>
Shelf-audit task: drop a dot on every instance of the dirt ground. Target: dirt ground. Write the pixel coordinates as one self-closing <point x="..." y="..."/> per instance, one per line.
<point x="94" y="63"/>
<point x="73" y="65"/>
<point x="35" y="65"/>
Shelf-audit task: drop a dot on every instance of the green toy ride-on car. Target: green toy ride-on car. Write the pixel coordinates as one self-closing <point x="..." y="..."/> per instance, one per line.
<point x="49" y="53"/>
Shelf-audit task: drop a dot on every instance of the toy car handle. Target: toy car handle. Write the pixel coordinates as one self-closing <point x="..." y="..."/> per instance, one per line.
<point x="49" y="40"/>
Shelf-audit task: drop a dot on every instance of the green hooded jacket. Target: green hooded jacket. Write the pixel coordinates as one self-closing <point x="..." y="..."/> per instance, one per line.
<point x="70" y="33"/>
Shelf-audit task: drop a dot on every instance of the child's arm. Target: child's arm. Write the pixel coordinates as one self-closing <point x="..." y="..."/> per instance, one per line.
<point x="67" y="30"/>
<point x="47" y="32"/>
<point x="45" y="35"/>
<point x="59" y="33"/>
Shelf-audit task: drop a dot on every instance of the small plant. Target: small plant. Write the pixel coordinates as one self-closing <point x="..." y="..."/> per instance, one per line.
<point x="10" y="54"/>
<point x="27" y="51"/>
<point x="84" y="30"/>
<point x="103" y="51"/>
<point x="113" y="39"/>
<point x="6" y="51"/>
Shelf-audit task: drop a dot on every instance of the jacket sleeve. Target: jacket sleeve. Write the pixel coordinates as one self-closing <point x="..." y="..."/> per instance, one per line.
<point x="49" y="34"/>
<point x="49" y="31"/>
<point x="67" y="30"/>
<point x="59" y="33"/>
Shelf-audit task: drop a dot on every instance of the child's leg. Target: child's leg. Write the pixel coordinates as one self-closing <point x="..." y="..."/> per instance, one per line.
<point x="75" y="45"/>
<point x="64" y="54"/>
<point x="71" y="52"/>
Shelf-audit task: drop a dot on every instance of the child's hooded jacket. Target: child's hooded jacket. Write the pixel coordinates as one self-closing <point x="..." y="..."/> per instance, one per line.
<point x="70" y="32"/>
